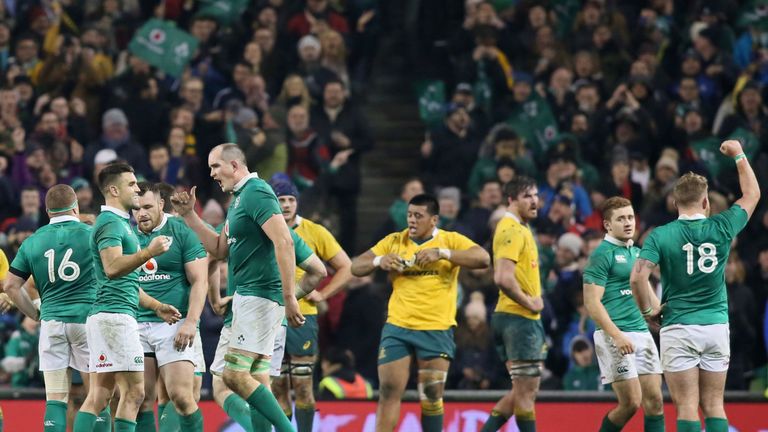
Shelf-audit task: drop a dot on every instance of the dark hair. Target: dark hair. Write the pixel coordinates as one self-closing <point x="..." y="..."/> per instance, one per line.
<point x="493" y="180"/>
<point x="112" y="172"/>
<point x="517" y="186"/>
<point x="159" y="146"/>
<point x="335" y="355"/>
<point x="32" y="188"/>
<point x="433" y="208"/>
<point x="166" y="191"/>
<point x="334" y="80"/>
<point x="145" y="187"/>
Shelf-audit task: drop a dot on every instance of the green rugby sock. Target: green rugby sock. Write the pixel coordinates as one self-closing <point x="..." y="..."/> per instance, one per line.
<point x="160" y="410"/>
<point x="495" y="421"/>
<point x="104" y="421"/>
<point x="431" y="423"/>
<point x="526" y="420"/>
<point x="170" y="421"/>
<point x="716" y="424"/>
<point x="55" y="419"/>
<point x="238" y="410"/>
<point x="259" y="422"/>
<point x="123" y="425"/>
<point x="688" y="426"/>
<point x="653" y="423"/>
<point x="264" y="401"/>
<point x="608" y="425"/>
<point x="145" y="422"/>
<point x="84" y="422"/>
<point x="305" y="416"/>
<point x="192" y="422"/>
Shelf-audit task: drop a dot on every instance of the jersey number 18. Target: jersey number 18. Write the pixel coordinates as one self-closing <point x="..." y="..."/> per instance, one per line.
<point x="707" y="262"/>
<point x="64" y="266"/>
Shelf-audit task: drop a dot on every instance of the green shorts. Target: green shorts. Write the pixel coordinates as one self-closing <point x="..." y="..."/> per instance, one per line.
<point x="398" y="342"/>
<point x="518" y="338"/>
<point x="302" y="341"/>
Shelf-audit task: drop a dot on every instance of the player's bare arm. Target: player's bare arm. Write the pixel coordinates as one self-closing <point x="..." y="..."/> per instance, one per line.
<point x="639" y="281"/>
<point x="593" y="294"/>
<point x="472" y="258"/>
<point x="366" y="263"/>
<point x="750" y="188"/>
<point x="218" y="303"/>
<point x="277" y="231"/>
<point x="197" y="274"/>
<point x="315" y="272"/>
<point x="117" y="265"/>
<point x="166" y="312"/>
<point x="12" y="286"/>
<point x="504" y="278"/>
<point x="213" y="242"/>
<point x="342" y="267"/>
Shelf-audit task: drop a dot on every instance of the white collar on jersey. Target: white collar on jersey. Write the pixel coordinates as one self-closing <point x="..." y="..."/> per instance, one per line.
<point x="162" y="222"/>
<point x="65" y="218"/>
<point x="116" y="211"/>
<point x="244" y="180"/>
<point x="298" y="220"/>
<point x="434" y="234"/>
<point x="695" y="216"/>
<point x="513" y="216"/>
<point x="613" y="240"/>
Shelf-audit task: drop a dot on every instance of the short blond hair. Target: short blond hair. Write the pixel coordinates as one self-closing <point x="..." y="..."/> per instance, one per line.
<point x="690" y="189"/>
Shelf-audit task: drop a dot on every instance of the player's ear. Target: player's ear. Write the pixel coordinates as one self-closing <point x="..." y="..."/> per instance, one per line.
<point x="705" y="202"/>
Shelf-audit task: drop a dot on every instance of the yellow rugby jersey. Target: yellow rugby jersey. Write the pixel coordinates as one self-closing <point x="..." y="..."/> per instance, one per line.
<point x="322" y="243"/>
<point x="4" y="266"/>
<point x="423" y="298"/>
<point x="514" y="241"/>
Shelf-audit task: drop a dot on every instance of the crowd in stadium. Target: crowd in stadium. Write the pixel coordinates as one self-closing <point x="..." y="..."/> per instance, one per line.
<point x="593" y="99"/>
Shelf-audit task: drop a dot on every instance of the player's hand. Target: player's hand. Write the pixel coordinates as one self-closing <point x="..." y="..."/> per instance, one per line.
<point x="6" y="303"/>
<point x="731" y="148"/>
<point x="220" y="308"/>
<point x="159" y="245"/>
<point x="315" y="297"/>
<point x="623" y="344"/>
<point x="427" y="256"/>
<point x="392" y="262"/>
<point x="185" y="336"/>
<point x="184" y="202"/>
<point x="293" y="314"/>
<point x="537" y="304"/>
<point x="168" y="313"/>
<point x="654" y="318"/>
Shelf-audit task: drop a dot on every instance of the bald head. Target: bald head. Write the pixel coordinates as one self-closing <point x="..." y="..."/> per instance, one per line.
<point x="228" y="165"/>
<point x="61" y="199"/>
<point x="230" y="152"/>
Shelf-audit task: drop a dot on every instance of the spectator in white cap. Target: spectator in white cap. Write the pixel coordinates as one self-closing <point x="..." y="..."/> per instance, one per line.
<point x="116" y="136"/>
<point x="310" y="67"/>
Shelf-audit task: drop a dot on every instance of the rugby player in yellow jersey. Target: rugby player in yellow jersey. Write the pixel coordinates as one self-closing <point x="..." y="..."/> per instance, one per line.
<point x="423" y="263"/>
<point x="516" y="322"/>
<point x="301" y="343"/>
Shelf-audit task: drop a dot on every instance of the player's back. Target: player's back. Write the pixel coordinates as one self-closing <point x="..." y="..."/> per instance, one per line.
<point x="60" y="260"/>
<point x="692" y="253"/>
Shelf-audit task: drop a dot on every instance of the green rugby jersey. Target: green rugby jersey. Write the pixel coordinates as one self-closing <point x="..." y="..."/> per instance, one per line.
<point x="59" y="258"/>
<point x="692" y="253"/>
<point x="120" y="295"/>
<point x="251" y="252"/>
<point x="609" y="267"/>
<point x="164" y="277"/>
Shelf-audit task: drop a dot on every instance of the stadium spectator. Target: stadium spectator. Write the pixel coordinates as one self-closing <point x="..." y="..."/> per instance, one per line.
<point x="583" y="374"/>
<point x="316" y="16"/>
<point x="116" y="136"/>
<point x="449" y="200"/>
<point x="475" y="361"/>
<point x="477" y="217"/>
<point x="449" y="151"/>
<point x="340" y="381"/>
<point x="21" y="359"/>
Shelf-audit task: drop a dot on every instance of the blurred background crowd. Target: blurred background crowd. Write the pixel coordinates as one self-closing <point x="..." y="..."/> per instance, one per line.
<point x="592" y="98"/>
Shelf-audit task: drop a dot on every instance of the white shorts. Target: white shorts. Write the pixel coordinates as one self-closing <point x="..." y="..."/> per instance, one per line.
<point x="199" y="356"/>
<point x="276" y="362"/>
<point x="157" y="338"/>
<point x="707" y="347"/>
<point x="63" y="345"/>
<point x="255" y="322"/>
<point x="217" y="366"/>
<point x="114" y="345"/>
<point x="616" y="367"/>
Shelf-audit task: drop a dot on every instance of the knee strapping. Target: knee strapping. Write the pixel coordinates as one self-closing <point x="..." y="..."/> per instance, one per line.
<point x="302" y="370"/>
<point x="238" y="362"/>
<point x="260" y="366"/>
<point x="532" y="369"/>
<point x="430" y="388"/>
<point x="285" y="369"/>
<point x="56" y="382"/>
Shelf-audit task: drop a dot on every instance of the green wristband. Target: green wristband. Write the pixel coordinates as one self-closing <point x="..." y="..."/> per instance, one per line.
<point x="739" y="157"/>
<point x="647" y="311"/>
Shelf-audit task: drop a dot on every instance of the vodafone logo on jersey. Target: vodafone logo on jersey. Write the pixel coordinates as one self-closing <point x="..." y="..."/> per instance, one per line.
<point x="150" y="267"/>
<point x="150" y="272"/>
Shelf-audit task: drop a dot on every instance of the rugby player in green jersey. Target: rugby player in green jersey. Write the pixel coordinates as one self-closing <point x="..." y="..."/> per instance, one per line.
<point x="115" y="352"/>
<point x="58" y="257"/>
<point x="691" y="253"/>
<point x="177" y="277"/>
<point x="259" y="247"/>
<point x="626" y="351"/>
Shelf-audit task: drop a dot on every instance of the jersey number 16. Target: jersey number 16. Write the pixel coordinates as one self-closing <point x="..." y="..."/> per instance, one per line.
<point x="707" y="262"/>
<point x="65" y="266"/>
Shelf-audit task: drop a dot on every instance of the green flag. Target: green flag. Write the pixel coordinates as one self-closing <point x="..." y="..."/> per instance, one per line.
<point x="223" y="11"/>
<point x="431" y="101"/>
<point x="164" y="46"/>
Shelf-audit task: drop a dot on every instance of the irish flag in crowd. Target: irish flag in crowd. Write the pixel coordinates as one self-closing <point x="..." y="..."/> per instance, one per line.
<point x="163" y="45"/>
